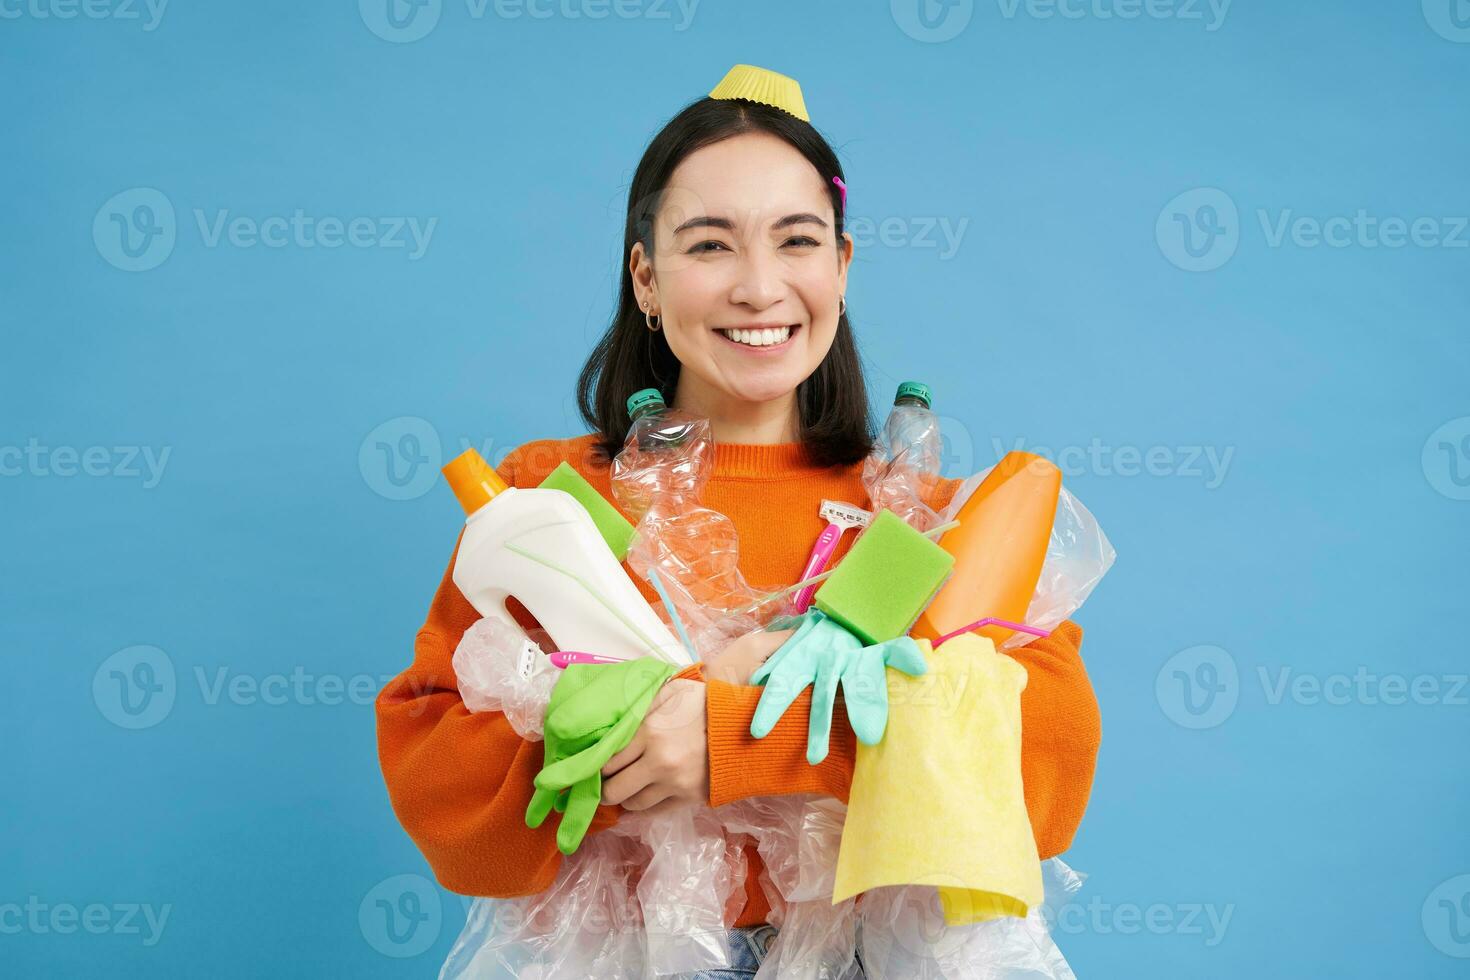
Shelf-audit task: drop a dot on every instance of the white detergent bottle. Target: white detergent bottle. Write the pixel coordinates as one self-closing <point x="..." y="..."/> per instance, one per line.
<point x="541" y="546"/>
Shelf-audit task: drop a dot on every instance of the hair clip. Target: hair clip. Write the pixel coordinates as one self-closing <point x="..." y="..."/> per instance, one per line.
<point x="843" y="188"/>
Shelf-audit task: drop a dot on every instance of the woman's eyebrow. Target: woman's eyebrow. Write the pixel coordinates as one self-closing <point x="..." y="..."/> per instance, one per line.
<point x="799" y="219"/>
<point x="706" y="221"/>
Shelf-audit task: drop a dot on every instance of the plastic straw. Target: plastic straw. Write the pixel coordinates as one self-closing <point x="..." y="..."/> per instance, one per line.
<point x="658" y="586"/>
<point x="992" y="621"/>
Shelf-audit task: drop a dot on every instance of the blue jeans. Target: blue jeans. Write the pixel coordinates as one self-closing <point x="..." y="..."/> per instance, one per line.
<point x="748" y="948"/>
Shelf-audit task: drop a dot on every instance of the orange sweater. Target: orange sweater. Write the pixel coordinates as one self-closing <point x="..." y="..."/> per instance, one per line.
<point x="460" y="782"/>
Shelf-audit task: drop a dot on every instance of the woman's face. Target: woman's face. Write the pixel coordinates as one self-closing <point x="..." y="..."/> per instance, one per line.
<point x="747" y="272"/>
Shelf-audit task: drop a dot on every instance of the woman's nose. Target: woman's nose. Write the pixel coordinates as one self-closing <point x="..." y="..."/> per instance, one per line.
<point x="758" y="281"/>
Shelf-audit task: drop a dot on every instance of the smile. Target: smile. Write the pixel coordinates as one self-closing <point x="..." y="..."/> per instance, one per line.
<point x="761" y="338"/>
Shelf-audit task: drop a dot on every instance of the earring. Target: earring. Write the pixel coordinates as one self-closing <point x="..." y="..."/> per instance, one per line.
<point x="842" y="306"/>
<point x="648" y="319"/>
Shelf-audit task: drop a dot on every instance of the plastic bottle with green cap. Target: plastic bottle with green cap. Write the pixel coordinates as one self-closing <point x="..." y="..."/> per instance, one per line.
<point x="688" y="552"/>
<point x="906" y="464"/>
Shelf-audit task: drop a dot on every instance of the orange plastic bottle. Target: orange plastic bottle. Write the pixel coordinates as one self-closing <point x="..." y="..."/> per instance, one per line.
<point x="999" y="549"/>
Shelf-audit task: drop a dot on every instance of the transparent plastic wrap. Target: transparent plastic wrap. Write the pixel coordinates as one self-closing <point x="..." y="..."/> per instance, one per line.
<point x="902" y="936"/>
<point x="899" y="933"/>
<point x="693" y="550"/>
<point x="903" y="469"/>
<point x="649" y="896"/>
<point x="1078" y="555"/>
<point x="500" y="670"/>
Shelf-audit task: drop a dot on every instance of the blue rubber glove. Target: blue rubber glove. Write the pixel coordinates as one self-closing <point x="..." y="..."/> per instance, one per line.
<point x="823" y="654"/>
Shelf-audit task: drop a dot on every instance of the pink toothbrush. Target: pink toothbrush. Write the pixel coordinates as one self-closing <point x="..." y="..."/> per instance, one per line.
<point x="563" y="659"/>
<point x="839" y="517"/>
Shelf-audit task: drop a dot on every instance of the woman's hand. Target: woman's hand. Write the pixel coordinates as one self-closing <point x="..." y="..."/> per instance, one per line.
<point x="739" y="659"/>
<point x="668" y="760"/>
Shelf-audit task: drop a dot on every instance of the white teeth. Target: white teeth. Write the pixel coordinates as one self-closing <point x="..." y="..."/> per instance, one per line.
<point x="759" y="338"/>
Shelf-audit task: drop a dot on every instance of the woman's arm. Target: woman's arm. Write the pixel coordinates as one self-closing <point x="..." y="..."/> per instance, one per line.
<point x="1060" y="730"/>
<point x="460" y="781"/>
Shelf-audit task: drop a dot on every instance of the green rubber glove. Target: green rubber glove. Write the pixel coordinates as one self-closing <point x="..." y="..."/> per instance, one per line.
<point x="593" y="713"/>
<point x="823" y="654"/>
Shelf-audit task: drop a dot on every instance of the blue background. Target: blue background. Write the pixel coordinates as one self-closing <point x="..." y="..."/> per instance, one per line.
<point x="1331" y="542"/>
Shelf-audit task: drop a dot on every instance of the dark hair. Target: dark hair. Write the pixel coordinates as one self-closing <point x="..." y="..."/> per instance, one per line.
<point x="835" y="424"/>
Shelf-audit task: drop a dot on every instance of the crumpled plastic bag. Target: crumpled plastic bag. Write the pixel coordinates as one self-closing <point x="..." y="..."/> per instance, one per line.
<point x="899" y="932"/>
<point x="499" y="670"/>
<point x="649" y="896"/>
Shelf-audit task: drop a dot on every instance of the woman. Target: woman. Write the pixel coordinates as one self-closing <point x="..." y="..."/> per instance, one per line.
<point x="732" y="305"/>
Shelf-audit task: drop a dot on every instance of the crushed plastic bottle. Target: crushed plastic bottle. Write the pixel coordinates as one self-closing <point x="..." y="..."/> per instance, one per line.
<point x="903" y="470"/>
<point x="694" y="550"/>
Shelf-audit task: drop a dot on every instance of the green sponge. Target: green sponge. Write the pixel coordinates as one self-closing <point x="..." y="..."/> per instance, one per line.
<point x="885" y="581"/>
<point x="615" y="529"/>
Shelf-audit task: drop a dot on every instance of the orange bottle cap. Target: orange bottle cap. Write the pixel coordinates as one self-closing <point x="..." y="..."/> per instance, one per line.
<point x="473" y="480"/>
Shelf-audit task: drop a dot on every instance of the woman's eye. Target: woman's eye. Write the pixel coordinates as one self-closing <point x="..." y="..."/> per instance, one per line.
<point x="701" y="247"/>
<point x="803" y="240"/>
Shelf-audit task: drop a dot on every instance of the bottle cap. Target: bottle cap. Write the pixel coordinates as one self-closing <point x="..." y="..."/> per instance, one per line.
<point x="644" y="400"/>
<point x="473" y="480"/>
<point x="914" y="389"/>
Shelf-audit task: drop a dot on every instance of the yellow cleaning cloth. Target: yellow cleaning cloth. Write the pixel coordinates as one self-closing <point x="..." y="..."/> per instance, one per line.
<point x="939" y="800"/>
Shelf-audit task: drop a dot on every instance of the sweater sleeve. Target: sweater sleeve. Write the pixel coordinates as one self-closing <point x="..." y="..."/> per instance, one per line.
<point x="1060" y="731"/>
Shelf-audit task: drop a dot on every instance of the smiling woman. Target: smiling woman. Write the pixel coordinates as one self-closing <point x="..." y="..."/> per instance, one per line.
<point x="732" y="300"/>
<point x="732" y="305"/>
